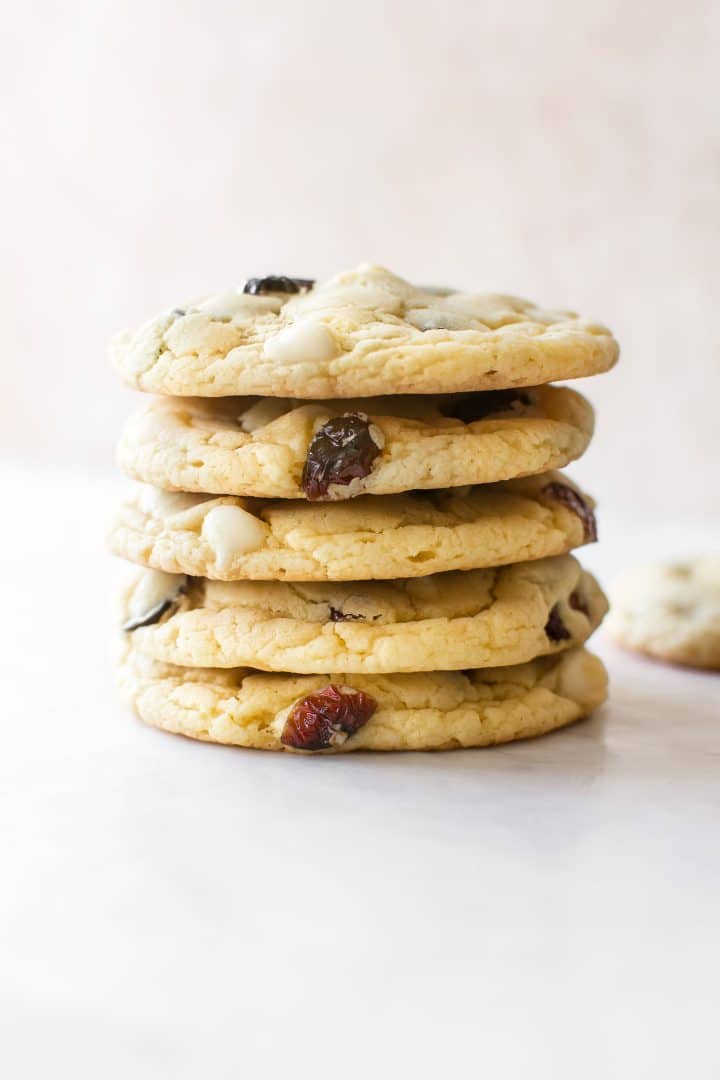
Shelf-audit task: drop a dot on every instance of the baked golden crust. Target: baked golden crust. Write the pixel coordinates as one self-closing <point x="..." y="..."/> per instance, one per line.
<point x="205" y="446"/>
<point x="363" y="333"/>
<point x="371" y="537"/>
<point x="433" y="711"/>
<point x="464" y="619"/>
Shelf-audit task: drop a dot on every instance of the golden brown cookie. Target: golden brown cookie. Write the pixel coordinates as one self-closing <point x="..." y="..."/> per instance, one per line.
<point x="340" y="713"/>
<point x="464" y="619"/>
<point x="274" y="449"/>
<point x="374" y="536"/>
<point x="363" y="333"/>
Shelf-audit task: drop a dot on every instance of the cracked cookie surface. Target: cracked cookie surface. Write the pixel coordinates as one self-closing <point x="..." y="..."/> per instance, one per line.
<point x="433" y="711"/>
<point x="671" y="611"/>
<point x="378" y="536"/>
<point x="242" y="446"/>
<point x="464" y="619"/>
<point x="365" y="332"/>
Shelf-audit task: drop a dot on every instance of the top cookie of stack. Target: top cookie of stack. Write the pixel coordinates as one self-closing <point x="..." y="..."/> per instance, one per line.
<point x="364" y="333"/>
<point x="360" y="429"/>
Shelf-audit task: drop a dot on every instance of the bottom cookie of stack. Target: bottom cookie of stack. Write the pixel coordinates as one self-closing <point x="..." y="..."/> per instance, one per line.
<point x="341" y="713"/>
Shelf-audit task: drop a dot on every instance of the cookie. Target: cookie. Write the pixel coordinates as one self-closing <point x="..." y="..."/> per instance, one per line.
<point x="671" y="611"/>
<point x="341" y="713"/>
<point x="361" y="334"/>
<point x="277" y="449"/>
<point x="464" y="619"/>
<point x="373" y="536"/>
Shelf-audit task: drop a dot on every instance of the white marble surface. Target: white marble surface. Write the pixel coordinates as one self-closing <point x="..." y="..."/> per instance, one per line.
<point x="178" y="910"/>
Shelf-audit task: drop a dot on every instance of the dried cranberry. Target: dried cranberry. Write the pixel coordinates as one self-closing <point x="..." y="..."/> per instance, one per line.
<point x="555" y="628"/>
<point x="336" y="615"/>
<point x="474" y="407"/>
<point x="341" y="451"/>
<point x="327" y="718"/>
<point x="578" y="602"/>
<point x="259" y="286"/>
<point x="575" y="502"/>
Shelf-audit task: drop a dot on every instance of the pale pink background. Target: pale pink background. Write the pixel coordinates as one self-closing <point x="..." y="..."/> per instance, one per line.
<point x="567" y="151"/>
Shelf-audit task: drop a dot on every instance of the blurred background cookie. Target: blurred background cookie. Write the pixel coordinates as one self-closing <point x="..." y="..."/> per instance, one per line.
<point x="670" y="611"/>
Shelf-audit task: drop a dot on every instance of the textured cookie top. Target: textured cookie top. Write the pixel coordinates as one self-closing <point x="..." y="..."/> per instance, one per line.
<point x="477" y="618"/>
<point x="362" y="333"/>
<point x="341" y="449"/>
<point x="437" y="710"/>
<point x="671" y="611"/>
<point x="381" y="536"/>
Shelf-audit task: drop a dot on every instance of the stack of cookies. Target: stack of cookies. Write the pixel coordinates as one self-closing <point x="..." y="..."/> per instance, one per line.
<point x="352" y="531"/>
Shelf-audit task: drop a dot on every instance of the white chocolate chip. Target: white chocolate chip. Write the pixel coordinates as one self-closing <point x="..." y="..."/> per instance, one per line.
<point x="155" y="501"/>
<point x="176" y="504"/>
<point x="574" y="676"/>
<point x="228" y="305"/>
<point x="223" y="306"/>
<point x="231" y="531"/>
<point x="302" y="342"/>
<point x="154" y="587"/>
<point x="433" y="319"/>
<point x="377" y="435"/>
<point x="367" y="295"/>
<point x="340" y="492"/>
<point x="263" y="412"/>
<point x="438" y="290"/>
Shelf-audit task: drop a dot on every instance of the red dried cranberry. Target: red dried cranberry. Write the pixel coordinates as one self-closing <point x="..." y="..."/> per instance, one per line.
<point x="555" y="628"/>
<point x="341" y="451"/>
<point x="327" y="718"/>
<point x="578" y="602"/>
<point x="259" y="286"/>
<point x="474" y="407"/>
<point x="575" y="502"/>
